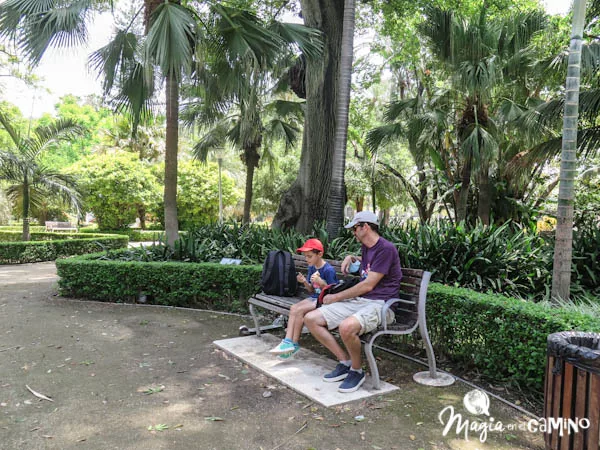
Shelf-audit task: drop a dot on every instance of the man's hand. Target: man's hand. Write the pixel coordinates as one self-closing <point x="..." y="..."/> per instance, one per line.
<point x="329" y="298"/>
<point x="346" y="263"/>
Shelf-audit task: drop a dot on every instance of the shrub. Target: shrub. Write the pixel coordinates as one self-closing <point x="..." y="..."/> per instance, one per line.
<point x="504" y="338"/>
<point x="59" y="246"/>
<point x="197" y="285"/>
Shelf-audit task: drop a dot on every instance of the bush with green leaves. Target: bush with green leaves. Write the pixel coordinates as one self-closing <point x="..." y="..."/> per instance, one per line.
<point x="204" y="285"/>
<point x="50" y="246"/>
<point x="508" y="259"/>
<point x="504" y="338"/>
<point x="198" y="194"/>
<point x="117" y="188"/>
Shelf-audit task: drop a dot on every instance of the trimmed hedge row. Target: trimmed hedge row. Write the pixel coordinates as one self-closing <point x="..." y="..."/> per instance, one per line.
<point x="32" y="228"/>
<point x="58" y="246"/>
<point x="135" y="235"/>
<point x="194" y="285"/>
<point x="504" y="338"/>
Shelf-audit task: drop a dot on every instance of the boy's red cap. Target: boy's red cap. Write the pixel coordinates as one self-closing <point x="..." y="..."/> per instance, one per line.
<point x="311" y="244"/>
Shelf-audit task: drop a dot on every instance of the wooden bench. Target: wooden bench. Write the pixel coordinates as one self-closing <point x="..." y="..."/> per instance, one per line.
<point x="60" y="226"/>
<point x="409" y="309"/>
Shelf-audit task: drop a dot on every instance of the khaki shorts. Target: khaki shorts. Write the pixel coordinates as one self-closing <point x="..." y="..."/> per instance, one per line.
<point x="366" y="311"/>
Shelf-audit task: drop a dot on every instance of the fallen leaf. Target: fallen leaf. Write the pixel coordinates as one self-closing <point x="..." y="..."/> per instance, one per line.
<point x="412" y="437"/>
<point x="214" y="419"/>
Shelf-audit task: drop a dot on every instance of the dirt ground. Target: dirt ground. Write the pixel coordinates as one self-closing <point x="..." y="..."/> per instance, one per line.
<point x="141" y="377"/>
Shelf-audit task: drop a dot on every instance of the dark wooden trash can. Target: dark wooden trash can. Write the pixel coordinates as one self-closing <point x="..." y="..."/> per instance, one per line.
<point x="572" y="391"/>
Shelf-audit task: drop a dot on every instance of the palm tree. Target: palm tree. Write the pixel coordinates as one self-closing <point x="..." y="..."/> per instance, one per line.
<point x="28" y="179"/>
<point x="247" y="125"/>
<point x="131" y="64"/>
<point x="477" y="54"/>
<point x="563" y="249"/>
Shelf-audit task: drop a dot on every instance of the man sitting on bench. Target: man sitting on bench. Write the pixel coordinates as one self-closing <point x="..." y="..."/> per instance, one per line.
<point x="357" y="310"/>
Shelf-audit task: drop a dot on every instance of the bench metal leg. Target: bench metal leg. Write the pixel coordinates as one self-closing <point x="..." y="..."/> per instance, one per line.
<point x="428" y="346"/>
<point x="432" y="377"/>
<point x="255" y="318"/>
<point x="372" y="362"/>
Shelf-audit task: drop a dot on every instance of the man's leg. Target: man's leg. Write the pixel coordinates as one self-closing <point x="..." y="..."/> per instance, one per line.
<point x="317" y="325"/>
<point x="349" y="331"/>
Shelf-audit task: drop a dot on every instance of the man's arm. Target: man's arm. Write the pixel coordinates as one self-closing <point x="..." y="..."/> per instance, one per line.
<point x="358" y="290"/>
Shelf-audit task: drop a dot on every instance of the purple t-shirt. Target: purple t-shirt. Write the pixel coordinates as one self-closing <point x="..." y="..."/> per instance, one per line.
<point x="382" y="258"/>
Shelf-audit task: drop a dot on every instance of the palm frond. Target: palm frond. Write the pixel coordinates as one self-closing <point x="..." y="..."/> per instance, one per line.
<point x="284" y="131"/>
<point x="114" y="58"/>
<point x="7" y="125"/>
<point x="308" y="40"/>
<point x="170" y="39"/>
<point x="214" y="139"/>
<point x="135" y="95"/>
<point x="241" y="35"/>
<point x="384" y="134"/>
<point x="39" y="24"/>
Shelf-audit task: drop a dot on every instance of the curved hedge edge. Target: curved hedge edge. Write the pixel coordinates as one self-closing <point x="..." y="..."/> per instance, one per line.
<point x="197" y="285"/>
<point x="49" y="250"/>
<point x="505" y="338"/>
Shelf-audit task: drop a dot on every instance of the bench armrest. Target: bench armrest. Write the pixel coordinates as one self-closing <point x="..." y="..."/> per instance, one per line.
<point x="388" y="304"/>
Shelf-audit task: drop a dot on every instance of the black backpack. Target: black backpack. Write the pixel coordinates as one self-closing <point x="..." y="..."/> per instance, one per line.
<point x="279" y="274"/>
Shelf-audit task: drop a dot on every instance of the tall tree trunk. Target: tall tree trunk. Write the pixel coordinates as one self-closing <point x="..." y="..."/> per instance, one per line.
<point x="170" y="192"/>
<point x="26" y="236"/>
<point x="463" y="192"/>
<point x="484" y="200"/>
<point x="306" y="201"/>
<point x="337" y="196"/>
<point x="220" y="163"/>
<point x="251" y="158"/>
<point x="563" y="247"/>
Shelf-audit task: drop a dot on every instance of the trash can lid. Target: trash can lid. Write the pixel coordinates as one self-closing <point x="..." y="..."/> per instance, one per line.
<point x="577" y="347"/>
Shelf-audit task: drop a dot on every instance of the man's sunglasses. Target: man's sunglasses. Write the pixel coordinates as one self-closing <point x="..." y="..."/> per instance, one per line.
<point x="358" y="225"/>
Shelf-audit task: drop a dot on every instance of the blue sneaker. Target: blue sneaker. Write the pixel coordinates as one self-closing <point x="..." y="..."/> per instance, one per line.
<point x="338" y="374"/>
<point x="352" y="382"/>
<point x="283" y="347"/>
<point x="289" y="355"/>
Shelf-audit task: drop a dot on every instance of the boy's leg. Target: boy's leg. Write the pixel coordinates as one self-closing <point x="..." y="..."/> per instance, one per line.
<point x="300" y="310"/>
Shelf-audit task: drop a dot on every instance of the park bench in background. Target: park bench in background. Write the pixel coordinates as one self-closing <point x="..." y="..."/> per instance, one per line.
<point x="60" y="226"/>
<point x="409" y="309"/>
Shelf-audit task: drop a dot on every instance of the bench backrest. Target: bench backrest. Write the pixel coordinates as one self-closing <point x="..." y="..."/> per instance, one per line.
<point x="50" y="224"/>
<point x="410" y="293"/>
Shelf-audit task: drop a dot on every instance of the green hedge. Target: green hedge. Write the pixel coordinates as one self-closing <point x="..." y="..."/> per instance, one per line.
<point x="135" y="235"/>
<point x="504" y="338"/>
<point x="196" y="285"/>
<point x="32" y="228"/>
<point x="57" y="246"/>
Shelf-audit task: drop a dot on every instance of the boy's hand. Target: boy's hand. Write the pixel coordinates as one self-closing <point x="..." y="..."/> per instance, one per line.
<point x="316" y="278"/>
<point x="300" y="278"/>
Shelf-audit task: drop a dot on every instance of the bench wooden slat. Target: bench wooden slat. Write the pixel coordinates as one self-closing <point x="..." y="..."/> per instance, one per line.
<point x="270" y="306"/>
